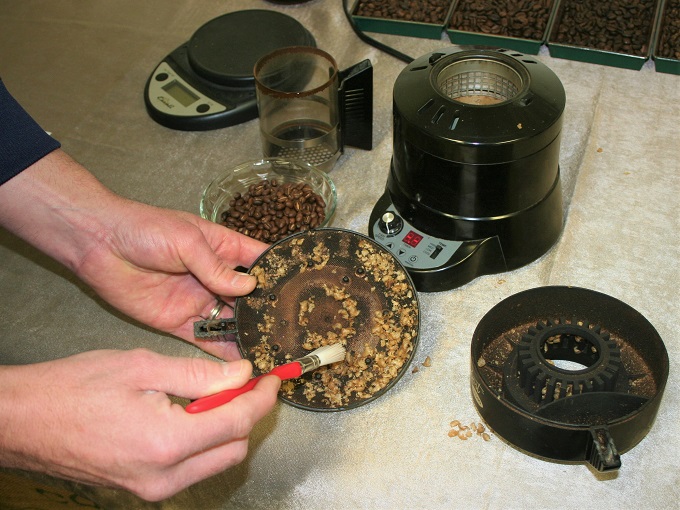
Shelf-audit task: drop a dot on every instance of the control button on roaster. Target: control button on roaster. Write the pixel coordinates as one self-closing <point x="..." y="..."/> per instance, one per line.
<point x="390" y="223"/>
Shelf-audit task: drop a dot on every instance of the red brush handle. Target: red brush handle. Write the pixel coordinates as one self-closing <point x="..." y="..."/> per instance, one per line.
<point x="283" y="372"/>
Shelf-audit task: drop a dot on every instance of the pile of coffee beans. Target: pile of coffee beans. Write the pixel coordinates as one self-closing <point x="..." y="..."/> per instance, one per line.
<point x="669" y="37"/>
<point x="526" y="19"/>
<point x="270" y="210"/>
<point x="621" y="26"/>
<point x="422" y="11"/>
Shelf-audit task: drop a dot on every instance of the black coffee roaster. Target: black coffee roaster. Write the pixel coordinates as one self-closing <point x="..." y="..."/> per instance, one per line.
<point x="474" y="182"/>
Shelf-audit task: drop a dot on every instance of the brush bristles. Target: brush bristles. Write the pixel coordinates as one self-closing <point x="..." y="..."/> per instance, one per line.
<point x="328" y="354"/>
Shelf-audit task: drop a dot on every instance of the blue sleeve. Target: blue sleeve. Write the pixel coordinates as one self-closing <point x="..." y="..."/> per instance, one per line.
<point x="22" y="140"/>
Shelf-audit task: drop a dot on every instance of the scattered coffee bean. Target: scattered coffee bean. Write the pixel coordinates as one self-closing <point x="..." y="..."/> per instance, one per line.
<point x="465" y="432"/>
<point x="621" y="26"/>
<point x="525" y="19"/>
<point x="270" y="210"/>
<point x="422" y="11"/>
<point x="669" y="36"/>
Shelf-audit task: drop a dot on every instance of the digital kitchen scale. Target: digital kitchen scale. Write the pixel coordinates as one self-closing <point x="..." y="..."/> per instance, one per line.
<point x="207" y="83"/>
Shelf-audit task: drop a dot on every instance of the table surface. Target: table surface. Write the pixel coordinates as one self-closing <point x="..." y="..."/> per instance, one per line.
<point x="80" y="69"/>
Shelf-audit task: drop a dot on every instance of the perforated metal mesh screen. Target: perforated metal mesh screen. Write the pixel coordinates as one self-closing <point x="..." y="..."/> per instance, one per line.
<point x="323" y="287"/>
<point x="317" y="155"/>
<point x="479" y="81"/>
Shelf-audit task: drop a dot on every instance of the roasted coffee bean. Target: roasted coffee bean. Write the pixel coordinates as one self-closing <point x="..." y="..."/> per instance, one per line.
<point x="526" y="19"/>
<point x="421" y="11"/>
<point x="270" y="210"/>
<point x="669" y="36"/>
<point x="621" y="26"/>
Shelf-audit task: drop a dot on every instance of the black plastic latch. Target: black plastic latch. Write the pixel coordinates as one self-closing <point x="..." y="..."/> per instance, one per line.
<point x="601" y="452"/>
<point x="434" y="57"/>
<point x="213" y="328"/>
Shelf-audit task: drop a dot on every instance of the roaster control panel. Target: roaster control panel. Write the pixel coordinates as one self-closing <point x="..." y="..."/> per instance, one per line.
<point x="413" y="248"/>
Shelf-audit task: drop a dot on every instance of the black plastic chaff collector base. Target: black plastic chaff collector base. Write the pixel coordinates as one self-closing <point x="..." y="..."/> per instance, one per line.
<point x="568" y="374"/>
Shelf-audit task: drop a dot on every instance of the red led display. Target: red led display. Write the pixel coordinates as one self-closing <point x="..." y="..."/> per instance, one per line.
<point x="412" y="239"/>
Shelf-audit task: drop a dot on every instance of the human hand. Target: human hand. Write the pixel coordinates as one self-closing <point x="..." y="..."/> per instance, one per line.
<point x="164" y="268"/>
<point x="104" y="418"/>
<point x="159" y="266"/>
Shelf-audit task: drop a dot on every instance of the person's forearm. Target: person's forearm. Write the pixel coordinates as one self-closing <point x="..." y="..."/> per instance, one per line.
<point x="59" y="207"/>
<point x="12" y="419"/>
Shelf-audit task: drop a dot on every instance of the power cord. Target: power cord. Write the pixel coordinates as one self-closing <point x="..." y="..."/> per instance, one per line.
<point x="369" y="40"/>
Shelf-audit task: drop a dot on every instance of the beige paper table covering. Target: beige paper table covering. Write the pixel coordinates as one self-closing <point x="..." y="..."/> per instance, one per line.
<point x="80" y="69"/>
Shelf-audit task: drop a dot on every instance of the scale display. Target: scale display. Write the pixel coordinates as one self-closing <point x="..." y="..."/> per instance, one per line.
<point x="180" y="93"/>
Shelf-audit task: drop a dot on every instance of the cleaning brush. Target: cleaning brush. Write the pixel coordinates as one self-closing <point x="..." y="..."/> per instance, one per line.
<point x="324" y="355"/>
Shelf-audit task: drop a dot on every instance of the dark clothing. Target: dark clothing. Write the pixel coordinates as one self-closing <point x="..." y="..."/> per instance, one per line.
<point x="22" y="140"/>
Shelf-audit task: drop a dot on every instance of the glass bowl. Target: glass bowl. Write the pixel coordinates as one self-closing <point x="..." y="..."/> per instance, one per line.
<point x="243" y="179"/>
